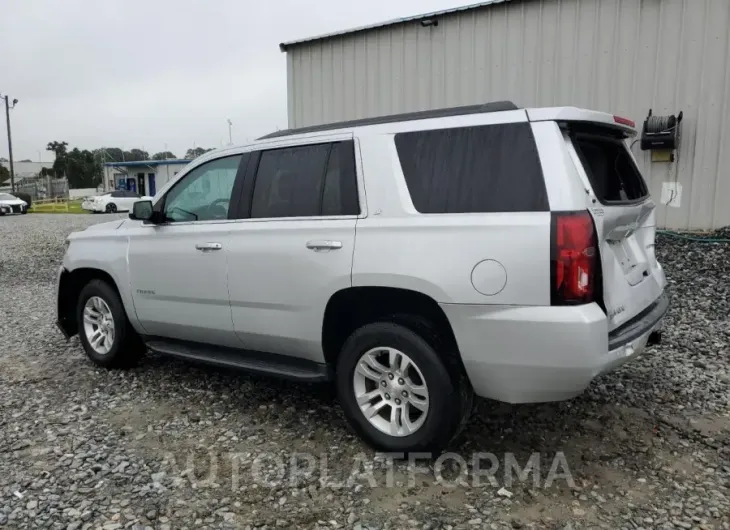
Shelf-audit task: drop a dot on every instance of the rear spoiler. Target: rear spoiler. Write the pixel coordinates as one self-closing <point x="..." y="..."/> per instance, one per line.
<point x="573" y="114"/>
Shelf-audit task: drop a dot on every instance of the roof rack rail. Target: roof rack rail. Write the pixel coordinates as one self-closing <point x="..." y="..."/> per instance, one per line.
<point x="497" y="106"/>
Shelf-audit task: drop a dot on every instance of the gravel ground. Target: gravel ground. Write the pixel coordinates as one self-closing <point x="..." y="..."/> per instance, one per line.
<point x="169" y="445"/>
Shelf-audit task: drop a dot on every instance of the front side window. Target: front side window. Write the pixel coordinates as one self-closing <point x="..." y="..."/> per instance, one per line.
<point x="204" y="194"/>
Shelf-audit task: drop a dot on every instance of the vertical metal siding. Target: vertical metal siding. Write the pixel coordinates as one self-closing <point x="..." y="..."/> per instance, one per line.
<point x="620" y="56"/>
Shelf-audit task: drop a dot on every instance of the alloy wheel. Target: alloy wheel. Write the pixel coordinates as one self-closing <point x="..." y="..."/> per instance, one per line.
<point x="391" y="391"/>
<point x="99" y="325"/>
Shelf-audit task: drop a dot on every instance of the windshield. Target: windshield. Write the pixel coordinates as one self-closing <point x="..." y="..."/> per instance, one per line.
<point x="7" y="197"/>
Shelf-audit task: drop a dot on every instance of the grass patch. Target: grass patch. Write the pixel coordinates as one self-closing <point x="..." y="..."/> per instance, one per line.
<point x="58" y="207"/>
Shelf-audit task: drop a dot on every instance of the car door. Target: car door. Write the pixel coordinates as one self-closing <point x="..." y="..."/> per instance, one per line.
<point x="116" y="198"/>
<point x="293" y="248"/>
<point x="179" y="268"/>
<point x="127" y="200"/>
<point x="122" y="200"/>
<point x="132" y="197"/>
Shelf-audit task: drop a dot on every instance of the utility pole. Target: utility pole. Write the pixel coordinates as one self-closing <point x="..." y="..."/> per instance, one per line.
<point x="10" y="139"/>
<point x="230" y="134"/>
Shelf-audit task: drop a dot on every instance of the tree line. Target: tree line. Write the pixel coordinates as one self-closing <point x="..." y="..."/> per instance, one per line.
<point x="83" y="168"/>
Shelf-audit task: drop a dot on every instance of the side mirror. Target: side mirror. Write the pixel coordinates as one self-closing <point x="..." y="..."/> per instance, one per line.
<point x="141" y="211"/>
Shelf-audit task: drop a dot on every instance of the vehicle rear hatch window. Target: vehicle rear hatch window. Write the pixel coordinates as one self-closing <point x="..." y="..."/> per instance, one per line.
<point x="610" y="168"/>
<point x="490" y="168"/>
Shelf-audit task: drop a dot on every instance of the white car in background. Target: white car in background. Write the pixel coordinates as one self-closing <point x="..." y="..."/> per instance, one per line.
<point x="11" y="204"/>
<point x="113" y="201"/>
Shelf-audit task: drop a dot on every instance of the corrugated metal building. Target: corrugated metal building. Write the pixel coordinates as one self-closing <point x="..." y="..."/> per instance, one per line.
<point x="620" y="56"/>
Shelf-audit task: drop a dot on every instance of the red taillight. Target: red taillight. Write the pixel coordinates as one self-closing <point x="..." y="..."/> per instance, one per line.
<point x="624" y="121"/>
<point x="574" y="256"/>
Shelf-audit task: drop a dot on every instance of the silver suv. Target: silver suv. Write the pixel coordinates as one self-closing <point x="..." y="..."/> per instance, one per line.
<point x="414" y="260"/>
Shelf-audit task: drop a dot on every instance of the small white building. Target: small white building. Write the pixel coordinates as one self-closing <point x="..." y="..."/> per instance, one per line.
<point x="26" y="169"/>
<point x="143" y="176"/>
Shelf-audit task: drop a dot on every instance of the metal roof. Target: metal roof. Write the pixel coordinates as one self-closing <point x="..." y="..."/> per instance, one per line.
<point x="148" y="162"/>
<point x="286" y="45"/>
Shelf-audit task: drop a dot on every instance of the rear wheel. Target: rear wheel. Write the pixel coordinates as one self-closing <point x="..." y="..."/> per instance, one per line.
<point x="105" y="332"/>
<point x="397" y="391"/>
<point x="111" y="208"/>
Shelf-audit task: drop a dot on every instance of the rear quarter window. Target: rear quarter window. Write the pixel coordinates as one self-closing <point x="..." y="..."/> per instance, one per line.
<point x="490" y="168"/>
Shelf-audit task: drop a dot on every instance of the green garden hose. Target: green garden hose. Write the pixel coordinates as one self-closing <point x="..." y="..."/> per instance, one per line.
<point x="686" y="237"/>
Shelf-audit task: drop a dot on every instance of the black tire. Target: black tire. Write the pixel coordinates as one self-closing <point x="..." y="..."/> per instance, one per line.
<point x="24" y="212"/>
<point x="127" y="347"/>
<point x="111" y="208"/>
<point x="450" y="394"/>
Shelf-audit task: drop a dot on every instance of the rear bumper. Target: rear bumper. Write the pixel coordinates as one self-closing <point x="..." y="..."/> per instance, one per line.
<point x="649" y="319"/>
<point x="538" y="354"/>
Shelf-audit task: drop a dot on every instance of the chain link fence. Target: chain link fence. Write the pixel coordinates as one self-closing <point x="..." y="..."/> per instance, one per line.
<point x="44" y="187"/>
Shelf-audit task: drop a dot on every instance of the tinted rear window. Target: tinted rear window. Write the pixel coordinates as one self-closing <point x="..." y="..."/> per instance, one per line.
<point x="610" y="168"/>
<point x="491" y="168"/>
<point x="308" y="180"/>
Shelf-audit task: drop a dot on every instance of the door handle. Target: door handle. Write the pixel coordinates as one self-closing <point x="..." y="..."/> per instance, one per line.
<point x="318" y="246"/>
<point x="207" y="247"/>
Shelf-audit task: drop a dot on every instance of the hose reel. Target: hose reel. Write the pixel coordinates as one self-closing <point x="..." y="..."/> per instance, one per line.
<point x="661" y="132"/>
<point x="661" y="135"/>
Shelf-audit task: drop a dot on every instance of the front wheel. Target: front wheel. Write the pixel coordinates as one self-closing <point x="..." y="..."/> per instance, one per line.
<point x="397" y="391"/>
<point x="111" y="208"/>
<point x="106" y="335"/>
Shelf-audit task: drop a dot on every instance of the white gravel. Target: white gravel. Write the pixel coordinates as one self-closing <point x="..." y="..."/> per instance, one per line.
<point x="647" y="446"/>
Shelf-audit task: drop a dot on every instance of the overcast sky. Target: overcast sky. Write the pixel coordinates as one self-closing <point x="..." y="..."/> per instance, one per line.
<point x="150" y="73"/>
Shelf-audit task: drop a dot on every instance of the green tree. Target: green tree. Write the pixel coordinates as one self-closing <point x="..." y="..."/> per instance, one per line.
<point x="164" y="155"/>
<point x="136" y="154"/>
<point x="82" y="170"/>
<point x="196" y="152"/>
<point x="60" y="149"/>
<point x="116" y="154"/>
<point x="4" y="174"/>
<point x="108" y="154"/>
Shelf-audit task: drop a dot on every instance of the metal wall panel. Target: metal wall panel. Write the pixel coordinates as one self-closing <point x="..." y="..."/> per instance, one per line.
<point x="620" y="56"/>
